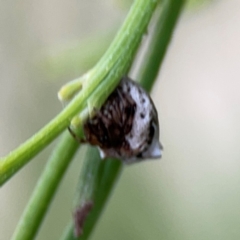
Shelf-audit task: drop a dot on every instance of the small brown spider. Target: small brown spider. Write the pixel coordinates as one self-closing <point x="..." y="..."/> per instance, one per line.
<point x="126" y="126"/>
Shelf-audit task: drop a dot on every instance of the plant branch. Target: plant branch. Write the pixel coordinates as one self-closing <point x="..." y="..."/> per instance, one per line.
<point x="96" y="182"/>
<point x="47" y="185"/>
<point x="160" y="40"/>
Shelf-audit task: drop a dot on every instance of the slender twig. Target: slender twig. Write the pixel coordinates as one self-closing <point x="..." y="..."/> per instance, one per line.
<point x="46" y="187"/>
<point x="160" y="40"/>
<point x="96" y="182"/>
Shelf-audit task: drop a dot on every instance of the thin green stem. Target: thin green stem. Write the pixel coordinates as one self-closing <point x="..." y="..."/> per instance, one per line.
<point x="160" y="41"/>
<point x="96" y="182"/>
<point x="119" y="56"/>
<point x="16" y="159"/>
<point x="44" y="192"/>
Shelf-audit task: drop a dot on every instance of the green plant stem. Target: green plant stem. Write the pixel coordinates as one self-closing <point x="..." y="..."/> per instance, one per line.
<point x="109" y="172"/>
<point x="50" y="179"/>
<point x="160" y="40"/>
<point x="118" y="56"/>
<point x="96" y="182"/>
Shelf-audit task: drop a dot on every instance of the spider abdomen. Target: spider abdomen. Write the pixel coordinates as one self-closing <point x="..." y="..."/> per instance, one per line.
<point x="126" y="126"/>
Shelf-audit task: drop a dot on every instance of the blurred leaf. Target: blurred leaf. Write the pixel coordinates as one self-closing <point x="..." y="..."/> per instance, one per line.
<point x="73" y="58"/>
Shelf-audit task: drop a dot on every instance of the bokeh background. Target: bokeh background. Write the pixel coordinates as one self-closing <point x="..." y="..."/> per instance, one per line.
<point x="193" y="193"/>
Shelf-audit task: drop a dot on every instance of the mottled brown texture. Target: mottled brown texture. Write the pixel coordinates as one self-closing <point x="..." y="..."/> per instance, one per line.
<point x="80" y="216"/>
<point x="108" y="128"/>
<point x="113" y="127"/>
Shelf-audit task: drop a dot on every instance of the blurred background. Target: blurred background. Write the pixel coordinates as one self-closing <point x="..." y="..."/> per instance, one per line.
<point x="193" y="192"/>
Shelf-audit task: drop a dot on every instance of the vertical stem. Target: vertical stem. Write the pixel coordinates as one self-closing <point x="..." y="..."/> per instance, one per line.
<point x="47" y="185"/>
<point x="160" y="40"/>
<point x="96" y="182"/>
